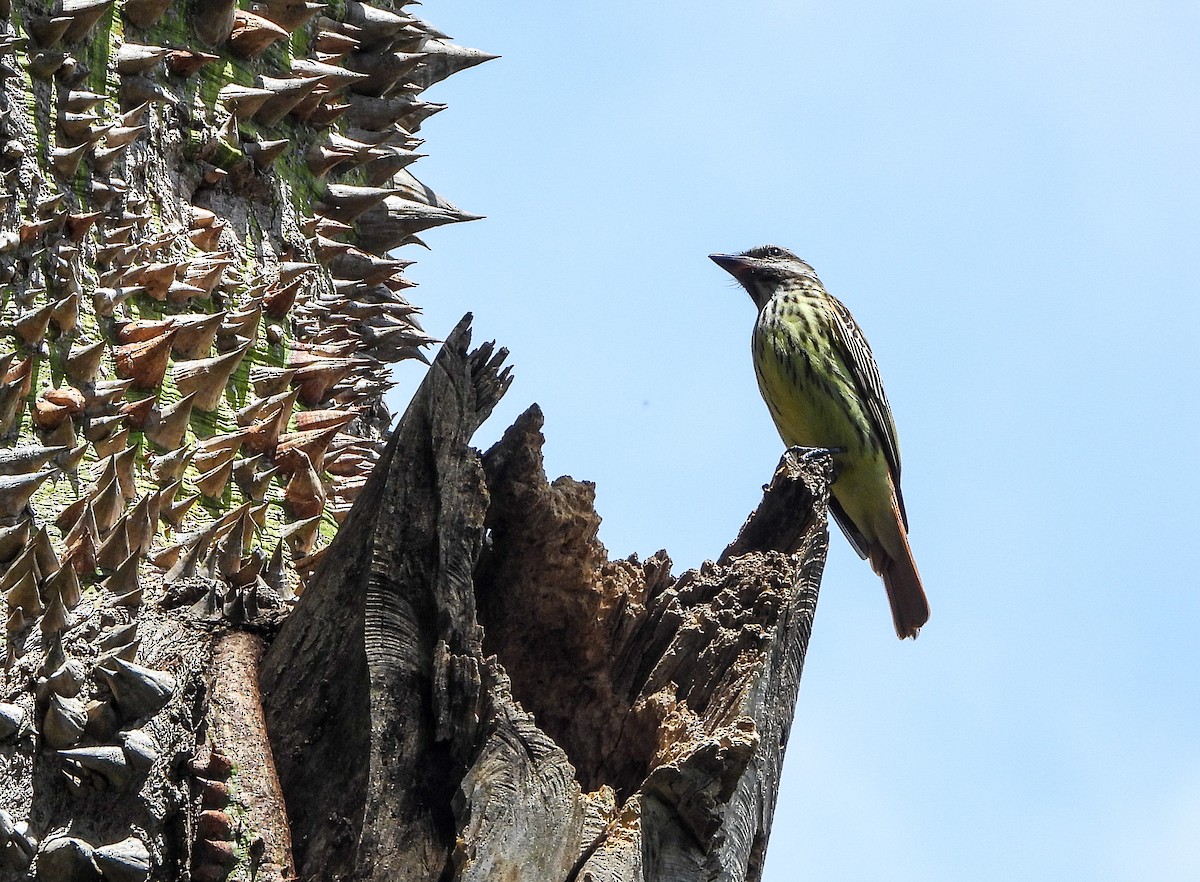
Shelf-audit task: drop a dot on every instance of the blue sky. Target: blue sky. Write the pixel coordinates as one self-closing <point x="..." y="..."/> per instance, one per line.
<point x="1007" y="195"/>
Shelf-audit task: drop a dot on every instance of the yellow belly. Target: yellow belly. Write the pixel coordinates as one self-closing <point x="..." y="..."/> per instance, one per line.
<point x="815" y="404"/>
<point x="810" y="395"/>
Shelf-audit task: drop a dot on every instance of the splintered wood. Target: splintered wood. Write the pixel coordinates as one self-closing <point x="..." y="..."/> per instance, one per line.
<point x="492" y="698"/>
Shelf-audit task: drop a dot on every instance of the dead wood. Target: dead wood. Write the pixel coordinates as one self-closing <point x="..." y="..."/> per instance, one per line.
<point x="470" y="690"/>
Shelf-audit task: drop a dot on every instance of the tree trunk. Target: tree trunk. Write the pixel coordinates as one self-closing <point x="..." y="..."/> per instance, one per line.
<point x="470" y="690"/>
<point x="199" y="310"/>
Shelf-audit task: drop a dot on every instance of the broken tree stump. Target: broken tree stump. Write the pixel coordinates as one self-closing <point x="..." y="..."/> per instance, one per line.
<point x="470" y="690"/>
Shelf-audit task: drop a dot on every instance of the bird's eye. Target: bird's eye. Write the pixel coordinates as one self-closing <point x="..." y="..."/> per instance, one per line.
<point x="774" y="251"/>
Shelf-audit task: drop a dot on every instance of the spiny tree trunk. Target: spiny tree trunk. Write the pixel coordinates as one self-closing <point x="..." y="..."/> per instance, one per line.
<point x="198" y="314"/>
<point x="199" y="309"/>
<point x="486" y="696"/>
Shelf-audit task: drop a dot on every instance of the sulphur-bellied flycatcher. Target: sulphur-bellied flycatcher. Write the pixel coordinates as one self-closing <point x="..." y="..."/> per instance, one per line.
<point x="819" y="379"/>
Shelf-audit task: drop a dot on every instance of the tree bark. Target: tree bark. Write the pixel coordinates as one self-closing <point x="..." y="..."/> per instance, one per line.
<point x="470" y="690"/>
<point x="200" y="306"/>
<point x="200" y="311"/>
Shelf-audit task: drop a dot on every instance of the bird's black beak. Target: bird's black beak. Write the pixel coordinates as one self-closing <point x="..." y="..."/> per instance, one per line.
<point x="734" y="264"/>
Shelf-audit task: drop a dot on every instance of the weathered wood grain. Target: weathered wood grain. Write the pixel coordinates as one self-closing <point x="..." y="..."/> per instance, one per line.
<point x="471" y="690"/>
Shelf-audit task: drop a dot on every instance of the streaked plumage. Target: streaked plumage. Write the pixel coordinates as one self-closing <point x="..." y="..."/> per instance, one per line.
<point x="822" y="387"/>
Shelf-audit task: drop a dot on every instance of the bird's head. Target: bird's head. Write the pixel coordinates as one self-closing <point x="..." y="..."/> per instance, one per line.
<point x="763" y="269"/>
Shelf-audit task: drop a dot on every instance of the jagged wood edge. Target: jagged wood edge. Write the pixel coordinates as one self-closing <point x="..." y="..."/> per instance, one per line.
<point x="798" y="485"/>
<point x="516" y="806"/>
<point x="376" y="756"/>
<point x="706" y="810"/>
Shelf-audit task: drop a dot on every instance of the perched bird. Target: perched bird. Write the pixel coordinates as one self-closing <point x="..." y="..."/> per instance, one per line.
<point x="819" y="380"/>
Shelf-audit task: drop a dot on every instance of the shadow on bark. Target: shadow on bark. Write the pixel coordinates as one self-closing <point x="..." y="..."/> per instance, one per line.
<point x="470" y="690"/>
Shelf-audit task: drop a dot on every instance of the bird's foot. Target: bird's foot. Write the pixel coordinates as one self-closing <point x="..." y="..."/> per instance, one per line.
<point x="808" y="454"/>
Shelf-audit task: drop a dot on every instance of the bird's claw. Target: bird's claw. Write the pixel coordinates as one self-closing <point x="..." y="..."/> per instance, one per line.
<point x="808" y="454"/>
<point x="804" y="455"/>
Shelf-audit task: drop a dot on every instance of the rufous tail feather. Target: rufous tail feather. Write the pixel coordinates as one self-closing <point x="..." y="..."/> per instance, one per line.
<point x="910" y="608"/>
